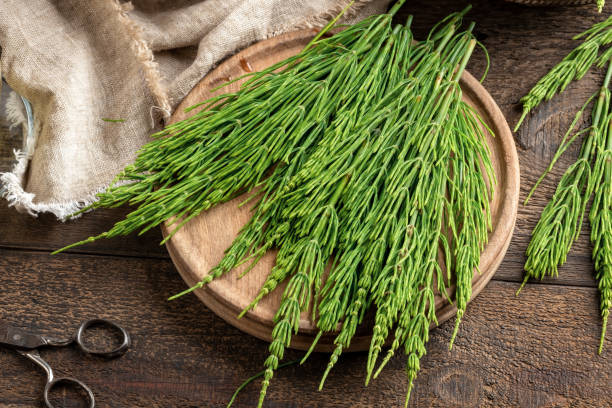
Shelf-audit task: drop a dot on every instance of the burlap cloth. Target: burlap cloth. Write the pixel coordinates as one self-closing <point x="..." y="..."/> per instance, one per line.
<point x="78" y="62"/>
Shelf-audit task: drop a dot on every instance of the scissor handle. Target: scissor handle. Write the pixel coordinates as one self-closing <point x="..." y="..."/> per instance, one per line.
<point x="72" y="381"/>
<point x="118" y="351"/>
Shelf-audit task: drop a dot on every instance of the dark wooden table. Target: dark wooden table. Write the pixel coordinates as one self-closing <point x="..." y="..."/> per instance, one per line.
<point x="537" y="350"/>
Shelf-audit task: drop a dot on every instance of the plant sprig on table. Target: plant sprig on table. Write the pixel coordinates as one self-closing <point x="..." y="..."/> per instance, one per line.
<point x="590" y="176"/>
<point x="573" y="67"/>
<point x="560" y="222"/>
<point x="361" y="157"/>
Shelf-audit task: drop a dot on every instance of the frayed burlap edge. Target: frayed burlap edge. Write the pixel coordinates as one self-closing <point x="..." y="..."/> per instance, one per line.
<point x="143" y="53"/>
<point x="11" y="183"/>
<point x="18" y="115"/>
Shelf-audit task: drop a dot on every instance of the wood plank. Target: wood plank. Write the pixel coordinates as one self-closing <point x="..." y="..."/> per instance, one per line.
<point x="184" y="356"/>
<point x="46" y="233"/>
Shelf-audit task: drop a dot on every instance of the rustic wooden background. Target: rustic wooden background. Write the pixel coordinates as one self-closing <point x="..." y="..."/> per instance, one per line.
<point x="537" y="350"/>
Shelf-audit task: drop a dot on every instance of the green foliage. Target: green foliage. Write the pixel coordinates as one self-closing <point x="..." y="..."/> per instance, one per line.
<point x="361" y="157"/>
<point x="572" y="67"/>
<point x="560" y="223"/>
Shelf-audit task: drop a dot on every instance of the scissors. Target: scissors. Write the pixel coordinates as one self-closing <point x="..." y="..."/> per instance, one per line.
<point x="27" y="344"/>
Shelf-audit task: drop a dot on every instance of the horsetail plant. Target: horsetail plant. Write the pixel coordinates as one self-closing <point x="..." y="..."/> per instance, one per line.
<point x="361" y="158"/>
<point x="560" y="223"/>
<point x="573" y="67"/>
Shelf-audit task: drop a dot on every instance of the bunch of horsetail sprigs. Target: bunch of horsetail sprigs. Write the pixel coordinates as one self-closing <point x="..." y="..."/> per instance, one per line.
<point x="368" y="173"/>
<point x="590" y="176"/>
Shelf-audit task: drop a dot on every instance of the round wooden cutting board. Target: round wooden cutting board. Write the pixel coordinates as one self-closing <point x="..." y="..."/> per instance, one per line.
<point x="200" y="244"/>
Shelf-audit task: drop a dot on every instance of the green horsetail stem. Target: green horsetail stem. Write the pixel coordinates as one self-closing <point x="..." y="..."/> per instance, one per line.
<point x="560" y="223"/>
<point x="601" y="226"/>
<point x="573" y="67"/>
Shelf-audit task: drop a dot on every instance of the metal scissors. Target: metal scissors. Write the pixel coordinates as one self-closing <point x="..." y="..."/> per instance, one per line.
<point x="27" y="344"/>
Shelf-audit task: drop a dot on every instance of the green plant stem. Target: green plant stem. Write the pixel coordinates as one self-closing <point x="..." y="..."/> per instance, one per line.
<point x="560" y="222"/>
<point x="601" y="227"/>
<point x="573" y="67"/>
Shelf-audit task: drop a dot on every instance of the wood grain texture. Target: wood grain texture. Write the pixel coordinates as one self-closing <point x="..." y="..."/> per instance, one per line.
<point x="185" y="356"/>
<point x="535" y="351"/>
<point x="199" y="245"/>
<point x="553" y="2"/>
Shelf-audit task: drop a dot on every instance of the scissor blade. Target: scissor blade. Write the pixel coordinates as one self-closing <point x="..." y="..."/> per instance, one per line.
<point x="15" y="337"/>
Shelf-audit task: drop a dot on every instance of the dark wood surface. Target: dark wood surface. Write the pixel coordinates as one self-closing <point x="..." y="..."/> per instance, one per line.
<point x="537" y="350"/>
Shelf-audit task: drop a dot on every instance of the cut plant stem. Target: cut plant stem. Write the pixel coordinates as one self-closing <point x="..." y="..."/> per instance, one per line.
<point x="572" y="67"/>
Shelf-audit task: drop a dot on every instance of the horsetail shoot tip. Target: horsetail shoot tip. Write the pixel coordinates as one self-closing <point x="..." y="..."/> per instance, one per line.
<point x="358" y="149"/>
<point x="573" y="67"/>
